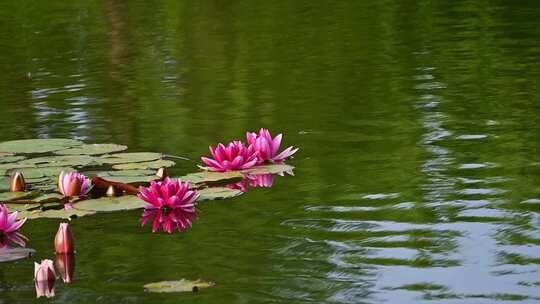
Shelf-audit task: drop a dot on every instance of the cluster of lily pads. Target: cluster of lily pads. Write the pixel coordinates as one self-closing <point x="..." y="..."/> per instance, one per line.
<point x="66" y="179"/>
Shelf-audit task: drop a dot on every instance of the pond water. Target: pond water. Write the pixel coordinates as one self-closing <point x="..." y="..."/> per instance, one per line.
<point x="418" y="175"/>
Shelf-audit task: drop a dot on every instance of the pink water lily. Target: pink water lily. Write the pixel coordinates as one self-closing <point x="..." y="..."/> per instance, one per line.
<point x="9" y="225"/>
<point x="74" y="184"/>
<point x="170" y="194"/>
<point x="268" y="147"/>
<point x="234" y="156"/>
<point x="169" y="220"/>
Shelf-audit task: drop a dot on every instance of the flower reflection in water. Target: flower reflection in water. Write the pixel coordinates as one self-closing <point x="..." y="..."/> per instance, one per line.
<point x="169" y="220"/>
<point x="64" y="264"/>
<point x="255" y="181"/>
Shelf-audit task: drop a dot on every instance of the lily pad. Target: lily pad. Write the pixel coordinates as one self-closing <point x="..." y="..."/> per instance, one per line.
<point x="59" y="161"/>
<point x="182" y="285"/>
<point x="129" y="176"/>
<point x="218" y="193"/>
<point x="133" y="157"/>
<point x="33" y="174"/>
<point x="270" y="169"/>
<point x="37" y="145"/>
<point x="160" y="163"/>
<point x="4" y="183"/>
<point x="48" y="198"/>
<point x="209" y="176"/>
<point x="12" y="254"/>
<point x="92" y="149"/>
<point x="55" y="213"/>
<point x="11" y="159"/>
<point x="107" y="204"/>
<point x="22" y="207"/>
<point x="12" y="196"/>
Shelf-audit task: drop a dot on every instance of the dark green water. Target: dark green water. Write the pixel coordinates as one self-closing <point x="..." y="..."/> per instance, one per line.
<point x="418" y="178"/>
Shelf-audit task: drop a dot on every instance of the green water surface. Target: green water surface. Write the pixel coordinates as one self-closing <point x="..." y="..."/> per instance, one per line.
<point x="418" y="122"/>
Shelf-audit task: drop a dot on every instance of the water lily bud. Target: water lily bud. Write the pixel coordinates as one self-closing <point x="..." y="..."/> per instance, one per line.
<point x="17" y="182"/>
<point x="63" y="242"/>
<point x="64" y="264"/>
<point x="111" y="191"/>
<point x="44" y="275"/>
<point x="161" y="173"/>
<point x="74" y="188"/>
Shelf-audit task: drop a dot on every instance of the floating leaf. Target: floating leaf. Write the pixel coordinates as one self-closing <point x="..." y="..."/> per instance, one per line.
<point x="36" y="173"/>
<point x="55" y="213"/>
<point x="48" y="198"/>
<point x="58" y="161"/>
<point x="92" y="149"/>
<point x="209" y="176"/>
<point x="12" y="254"/>
<point x="38" y="145"/>
<point x="218" y="193"/>
<point x="270" y="169"/>
<point x="182" y="285"/>
<point x="22" y="207"/>
<point x="124" y="158"/>
<point x="129" y="176"/>
<point x="11" y="159"/>
<point x="160" y="163"/>
<point x="106" y="204"/>
<point x="4" y="183"/>
<point x="12" y="196"/>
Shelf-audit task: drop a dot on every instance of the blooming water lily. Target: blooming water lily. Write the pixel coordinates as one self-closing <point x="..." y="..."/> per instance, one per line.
<point x="234" y="156"/>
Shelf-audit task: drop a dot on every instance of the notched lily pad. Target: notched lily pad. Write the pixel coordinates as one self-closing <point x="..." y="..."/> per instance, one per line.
<point x="270" y="169"/>
<point x="182" y="285"/>
<point x="11" y="159"/>
<point x="133" y="157"/>
<point x="13" y="254"/>
<point x="160" y="163"/>
<point x="38" y="145"/>
<point x="129" y="176"/>
<point x="55" y="213"/>
<point x="92" y="149"/>
<point x="59" y="161"/>
<point x="13" y="196"/>
<point x="33" y="174"/>
<point x="107" y="204"/>
<point x="210" y="176"/>
<point x="218" y="193"/>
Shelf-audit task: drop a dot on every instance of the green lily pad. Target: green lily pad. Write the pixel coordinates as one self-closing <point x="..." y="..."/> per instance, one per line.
<point x="4" y="183"/>
<point x="55" y="213"/>
<point x="160" y="163"/>
<point x="133" y="157"/>
<point x="11" y="159"/>
<point x="107" y="204"/>
<point x="13" y="254"/>
<point x="128" y="177"/>
<point x="182" y="285"/>
<point x="37" y="145"/>
<point x="92" y="149"/>
<point x="22" y="207"/>
<point x="13" y="196"/>
<point x="209" y="176"/>
<point x="33" y="174"/>
<point x="48" y="198"/>
<point x="270" y="169"/>
<point x="218" y="193"/>
<point x="59" y="161"/>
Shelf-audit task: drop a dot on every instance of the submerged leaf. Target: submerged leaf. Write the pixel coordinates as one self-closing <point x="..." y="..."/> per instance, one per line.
<point x="217" y="193"/>
<point x="37" y="145"/>
<point x="12" y="254"/>
<point x="92" y="149"/>
<point x="160" y="163"/>
<point x="182" y="285"/>
<point x="107" y="204"/>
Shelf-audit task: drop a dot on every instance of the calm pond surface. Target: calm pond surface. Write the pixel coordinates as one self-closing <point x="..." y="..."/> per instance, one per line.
<point x="418" y="178"/>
